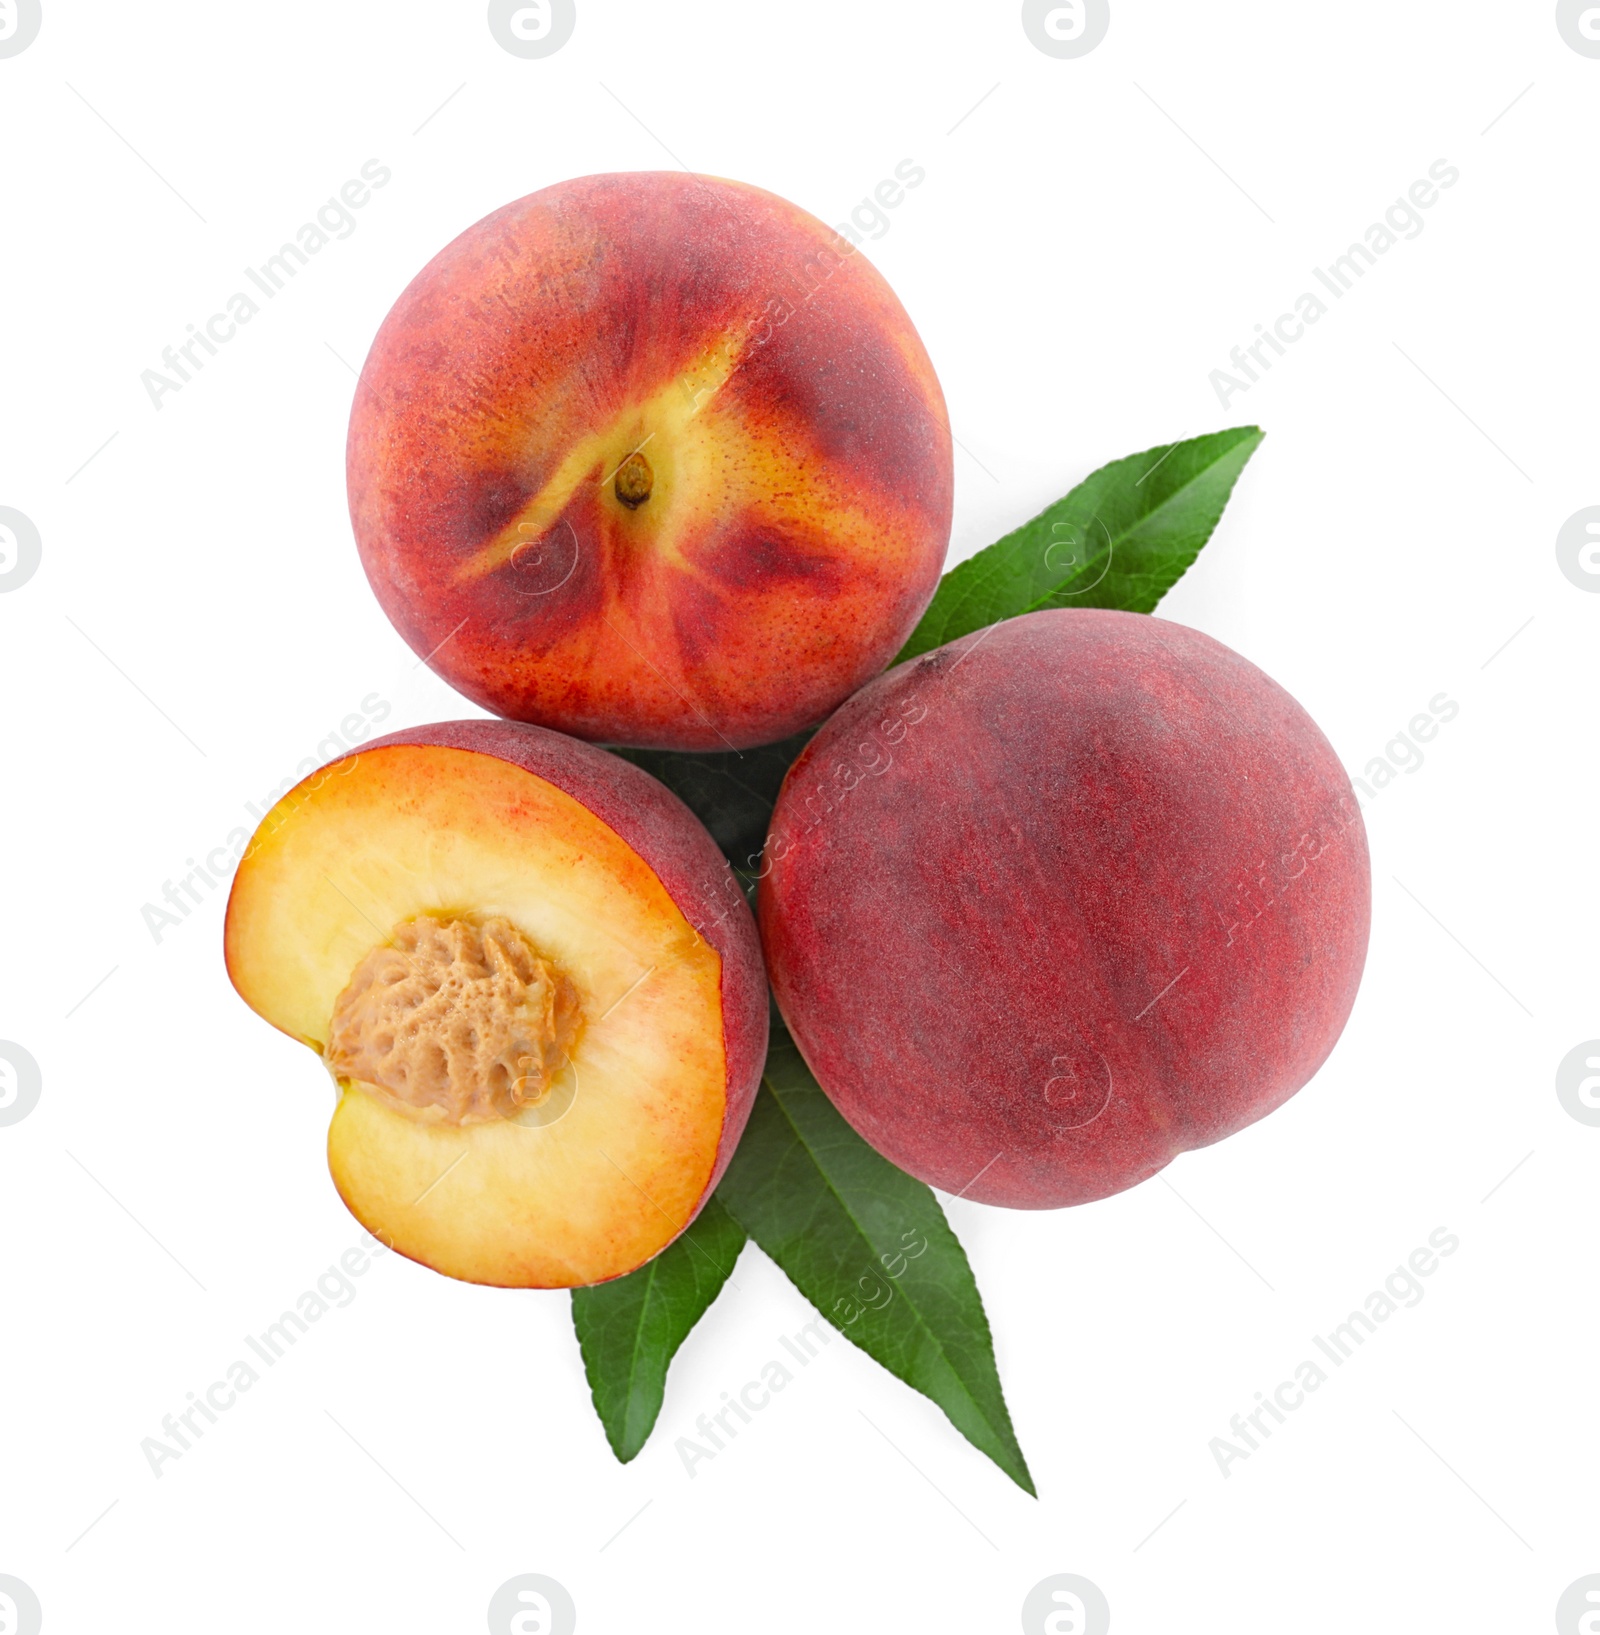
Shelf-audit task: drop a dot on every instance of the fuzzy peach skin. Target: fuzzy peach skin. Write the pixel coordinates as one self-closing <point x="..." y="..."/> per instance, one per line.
<point x="653" y="459"/>
<point x="1054" y="903"/>
<point x="527" y="839"/>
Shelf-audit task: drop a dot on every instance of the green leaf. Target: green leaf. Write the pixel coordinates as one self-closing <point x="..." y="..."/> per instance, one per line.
<point x="630" y="1329"/>
<point x="871" y="1249"/>
<point x="732" y="792"/>
<point x="1121" y="539"/>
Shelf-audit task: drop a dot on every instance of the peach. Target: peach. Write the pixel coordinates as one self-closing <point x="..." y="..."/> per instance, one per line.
<point x="1054" y="903"/>
<point x="653" y="459"/>
<point x="535" y="983"/>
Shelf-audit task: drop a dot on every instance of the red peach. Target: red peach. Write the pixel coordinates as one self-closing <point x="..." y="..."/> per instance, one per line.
<point x="652" y="459"/>
<point x="1056" y="902"/>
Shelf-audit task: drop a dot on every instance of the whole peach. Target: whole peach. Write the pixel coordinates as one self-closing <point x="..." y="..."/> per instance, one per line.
<point x="653" y="459"/>
<point x="1053" y="903"/>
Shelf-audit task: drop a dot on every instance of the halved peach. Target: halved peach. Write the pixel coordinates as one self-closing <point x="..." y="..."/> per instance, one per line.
<point x="535" y="982"/>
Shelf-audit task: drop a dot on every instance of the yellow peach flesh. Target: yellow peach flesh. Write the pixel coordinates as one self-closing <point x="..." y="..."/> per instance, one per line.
<point x="404" y="832"/>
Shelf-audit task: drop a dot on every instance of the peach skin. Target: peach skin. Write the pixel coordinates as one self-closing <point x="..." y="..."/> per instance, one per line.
<point x="652" y="459"/>
<point x="1058" y="901"/>
<point x="534" y="982"/>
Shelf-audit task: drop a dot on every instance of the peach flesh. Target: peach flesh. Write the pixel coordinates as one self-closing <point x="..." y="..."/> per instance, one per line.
<point x="1062" y="899"/>
<point x="590" y="1011"/>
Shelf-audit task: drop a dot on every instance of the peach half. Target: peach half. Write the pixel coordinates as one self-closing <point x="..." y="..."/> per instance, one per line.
<point x="652" y="459"/>
<point x="536" y="985"/>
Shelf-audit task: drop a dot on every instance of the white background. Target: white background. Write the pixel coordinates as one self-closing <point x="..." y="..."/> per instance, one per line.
<point x="1077" y="266"/>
